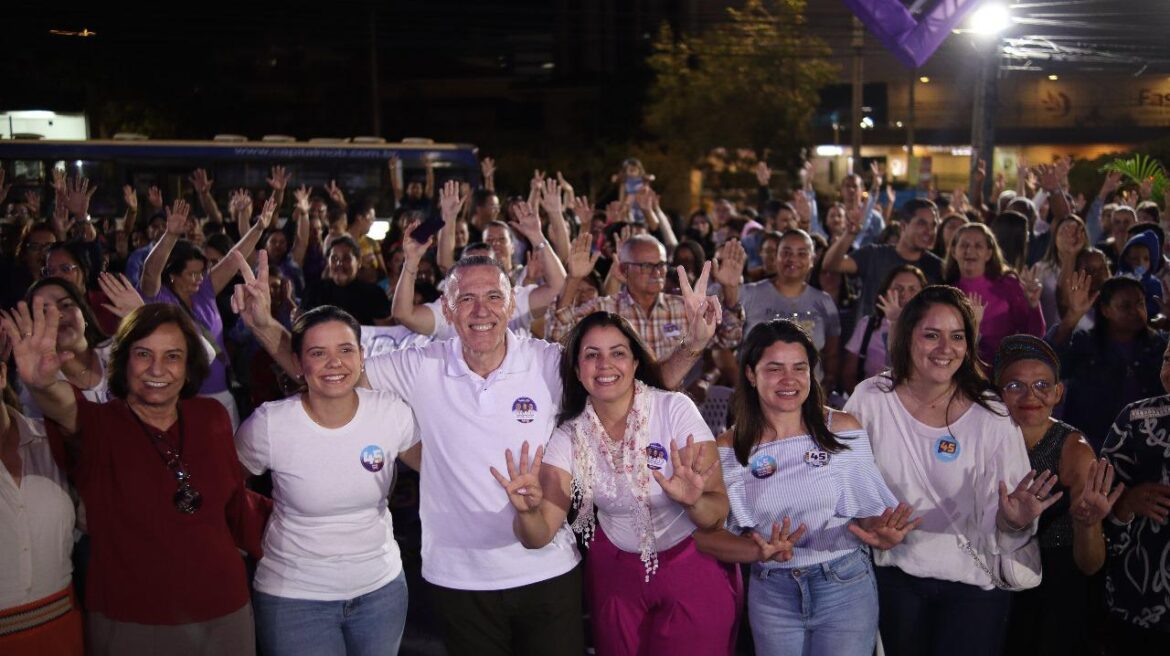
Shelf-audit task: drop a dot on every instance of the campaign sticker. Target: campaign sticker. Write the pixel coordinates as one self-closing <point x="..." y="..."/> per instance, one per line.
<point x="946" y="448"/>
<point x="655" y="456"/>
<point x="373" y="458"/>
<point x="671" y="330"/>
<point x="763" y="466"/>
<point x="524" y="409"/>
<point x="815" y="457"/>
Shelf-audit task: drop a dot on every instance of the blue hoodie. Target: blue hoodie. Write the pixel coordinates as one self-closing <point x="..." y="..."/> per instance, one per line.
<point x="1148" y="278"/>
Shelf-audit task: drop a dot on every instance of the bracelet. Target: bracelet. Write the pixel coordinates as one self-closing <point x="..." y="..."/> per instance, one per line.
<point x="1013" y="529"/>
<point x="541" y="246"/>
<point x="413" y="272"/>
<point x="689" y="351"/>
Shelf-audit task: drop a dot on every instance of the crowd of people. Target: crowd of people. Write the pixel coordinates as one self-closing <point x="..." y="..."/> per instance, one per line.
<point x="946" y="425"/>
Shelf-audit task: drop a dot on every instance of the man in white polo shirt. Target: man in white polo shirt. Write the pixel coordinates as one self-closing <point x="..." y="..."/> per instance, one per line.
<point x="474" y="396"/>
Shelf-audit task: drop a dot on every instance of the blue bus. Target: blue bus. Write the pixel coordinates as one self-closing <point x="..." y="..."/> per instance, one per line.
<point x="360" y="169"/>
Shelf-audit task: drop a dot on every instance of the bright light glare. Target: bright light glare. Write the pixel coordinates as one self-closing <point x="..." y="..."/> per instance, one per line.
<point x="379" y="229"/>
<point x="990" y="18"/>
<point x="830" y="151"/>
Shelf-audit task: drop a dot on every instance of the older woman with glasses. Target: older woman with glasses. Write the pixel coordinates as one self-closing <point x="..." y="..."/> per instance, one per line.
<point x="176" y="272"/>
<point x="1052" y="618"/>
<point x="71" y="261"/>
<point x="157" y="471"/>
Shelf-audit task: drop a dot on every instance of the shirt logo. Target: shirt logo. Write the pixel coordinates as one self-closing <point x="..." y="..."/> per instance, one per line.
<point x="655" y="456"/>
<point x="946" y="448"/>
<point x="814" y="457"/>
<point x="373" y="458"/>
<point x="763" y="466"/>
<point x="1149" y="413"/>
<point x="524" y="409"/>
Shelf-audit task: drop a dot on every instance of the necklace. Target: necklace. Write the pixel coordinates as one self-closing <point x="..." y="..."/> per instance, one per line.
<point x="933" y="402"/>
<point x="187" y="499"/>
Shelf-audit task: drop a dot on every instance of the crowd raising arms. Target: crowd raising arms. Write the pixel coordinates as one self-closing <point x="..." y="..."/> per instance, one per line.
<point x="922" y="489"/>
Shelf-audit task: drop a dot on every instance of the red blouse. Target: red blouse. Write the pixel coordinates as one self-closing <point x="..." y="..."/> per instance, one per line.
<point x="151" y="563"/>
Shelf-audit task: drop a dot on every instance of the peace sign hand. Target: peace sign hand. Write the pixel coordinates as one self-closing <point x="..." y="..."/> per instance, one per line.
<point x="253" y="299"/>
<point x="703" y="312"/>
<point x="888" y="529"/>
<point x="686" y="483"/>
<point x="780" y="547"/>
<point x="523" y="481"/>
<point x="1096" y="499"/>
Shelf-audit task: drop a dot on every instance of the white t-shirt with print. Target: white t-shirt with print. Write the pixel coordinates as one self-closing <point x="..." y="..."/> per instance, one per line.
<point x="672" y="416"/>
<point x="330" y="536"/>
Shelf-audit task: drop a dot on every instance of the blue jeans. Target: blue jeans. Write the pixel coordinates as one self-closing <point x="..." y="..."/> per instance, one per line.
<point x="829" y="609"/>
<point x="368" y="625"/>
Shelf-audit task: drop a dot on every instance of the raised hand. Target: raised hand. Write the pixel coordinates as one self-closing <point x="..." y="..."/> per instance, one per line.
<point x="1049" y="178"/>
<point x="177" y="218"/>
<point x="252" y="300"/>
<point x="155" y="198"/>
<point x="581" y="261"/>
<point x="302" y="196"/>
<point x="279" y="178"/>
<point x="130" y="197"/>
<point x="59" y="181"/>
<point x="450" y="202"/>
<point x="803" y="207"/>
<point x="32" y="198"/>
<point x="890" y="306"/>
<point x="1111" y="184"/>
<point x="240" y="205"/>
<point x="550" y="198"/>
<point x="77" y="196"/>
<point x="980" y="172"/>
<point x="703" y="312"/>
<point x="566" y="188"/>
<point x="523" y="481"/>
<point x="487" y="166"/>
<point x="780" y="546"/>
<point x="267" y="212"/>
<point x="1078" y="294"/>
<point x="763" y="173"/>
<point x="1030" y="281"/>
<point x="887" y="530"/>
<point x="123" y="297"/>
<point x="1030" y="498"/>
<point x="583" y="210"/>
<point x="61" y="221"/>
<point x="687" y="480"/>
<point x="200" y="182"/>
<point x="727" y="266"/>
<point x="1098" y="496"/>
<point x="335" y="193"/>
<point x="527" y="223"/>
<point x="978" y="306"/>
<point x="537" y="180"/>
<point x="34" y="343"/>
<point x="412" y="251"/>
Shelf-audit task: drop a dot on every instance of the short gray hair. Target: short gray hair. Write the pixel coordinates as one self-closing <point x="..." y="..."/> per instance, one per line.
<point x="466" y="263"/>
<point x="628" y="247"/>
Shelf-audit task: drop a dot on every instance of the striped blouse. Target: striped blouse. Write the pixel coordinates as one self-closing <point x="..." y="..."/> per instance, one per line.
<point x="794" y="478"/>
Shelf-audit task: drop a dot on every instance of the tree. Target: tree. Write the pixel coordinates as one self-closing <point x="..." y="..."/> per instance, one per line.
<point x="751" y="82"/>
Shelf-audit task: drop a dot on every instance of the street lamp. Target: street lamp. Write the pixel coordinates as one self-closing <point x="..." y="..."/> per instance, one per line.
<point x="990" y="19"/>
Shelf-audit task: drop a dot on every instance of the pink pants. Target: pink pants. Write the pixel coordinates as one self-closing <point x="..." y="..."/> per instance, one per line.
<point x="690" y="606"/>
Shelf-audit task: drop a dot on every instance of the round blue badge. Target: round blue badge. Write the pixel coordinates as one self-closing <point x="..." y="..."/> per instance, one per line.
<point x="524" y="409"/>
<point x="373" y="458"/>
<point x="946" y="448"/>
<point x="763" y="466"/>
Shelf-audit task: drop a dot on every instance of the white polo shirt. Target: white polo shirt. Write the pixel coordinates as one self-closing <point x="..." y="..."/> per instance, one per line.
<point x="466" y="423"/>
<point x="520" y="322"/>
<point x="36" y="522"/>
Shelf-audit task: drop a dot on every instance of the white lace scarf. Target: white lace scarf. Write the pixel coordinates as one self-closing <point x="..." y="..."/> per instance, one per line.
<point x="590" y="442"/>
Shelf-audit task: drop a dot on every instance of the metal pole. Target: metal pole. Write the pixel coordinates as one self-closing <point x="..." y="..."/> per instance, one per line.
<point x="858" y="42"/>
<point x="983" y="118"/>
<point x="911" y="173"/>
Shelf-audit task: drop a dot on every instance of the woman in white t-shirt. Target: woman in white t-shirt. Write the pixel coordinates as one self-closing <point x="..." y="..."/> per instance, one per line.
<point x="806" y="500"/>
<point x="648" y="461"/>
<point x="331" y="580"/>
<point x="945" y="444"/>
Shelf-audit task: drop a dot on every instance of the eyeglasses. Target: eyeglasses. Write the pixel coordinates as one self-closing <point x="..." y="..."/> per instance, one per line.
<point x="195" y="276"/>
<point x="648" y="267"/>
<point x="58" y="271"/>
<point x="1042" y="388"/>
